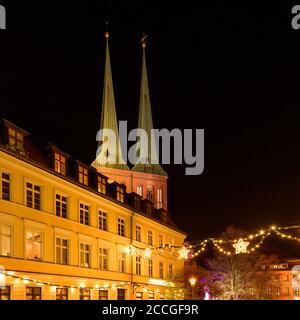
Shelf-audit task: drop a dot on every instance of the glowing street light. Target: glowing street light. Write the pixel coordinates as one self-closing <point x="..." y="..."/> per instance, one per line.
<point x="192" y="281"/>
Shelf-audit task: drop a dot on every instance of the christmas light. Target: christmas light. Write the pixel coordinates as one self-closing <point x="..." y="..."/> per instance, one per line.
<point x="241" y="246"/>
<point x="183" y="253"/>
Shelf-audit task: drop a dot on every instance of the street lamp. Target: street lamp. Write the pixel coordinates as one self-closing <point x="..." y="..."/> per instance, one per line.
<point x="192" y="281"/>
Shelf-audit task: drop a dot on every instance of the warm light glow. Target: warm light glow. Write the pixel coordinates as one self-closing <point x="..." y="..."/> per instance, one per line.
<point x="183" y="253"/>
<point x="241" y="246"/>
<point x="82" y="285"/>
<point x="25" y="281"/>
<point x="147" y="253"/>
<point x="160" y="282"/>
<point x="10" y="273"/>
<point x="192" y="281"/>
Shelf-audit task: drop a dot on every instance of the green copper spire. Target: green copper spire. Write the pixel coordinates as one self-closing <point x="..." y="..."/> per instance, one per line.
<point x="145" y="118"/>
<point x="108" y="115"/>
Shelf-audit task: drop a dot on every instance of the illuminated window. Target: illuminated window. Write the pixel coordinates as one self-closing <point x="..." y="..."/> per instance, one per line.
<point x="15" y="138"/>
<point x="103" y="259"/>
<point x="150" y="237"/>
<point x="33" y="196"/>
<point x="122" y="261"/>
<point x="33" y="293"/>
<point x="161" y="240"/>
<point x="150" y="268"/>
<point x="138" y="233"/>
<point x="139" y="190"/>
<point x="61" y="206"/>
<point x="170" y="271"/>
<point x="296" y="292"/>
<point x="151" y="296"/>
<point x="159" y="198"/>
<point x="161" y="270"/>
<point x="85" y="294"/>
<point x="4" y="293"/>
<point x="62" y="251"/>
<point x="120" y="194"/>
<point x="5" y="186"/>
<point x="162" y="296"/>
<point x="139" y="296"/>
<point x="102" y="221"/>
<point x="103" y="295"/>
<point x="85" y="253"/>
<point x="61" y="293"/>
<point x="33" y="245"/>
<point x="138" y="265"/>
<point x="83" y="175"/>
<point x="59" y="163"/>
<point x="150" y="193"/>
<point x="101" y="185"/>
<point x="121" y="227"/>
<point x="84" y="214"/>
<point x="5" y="240"/>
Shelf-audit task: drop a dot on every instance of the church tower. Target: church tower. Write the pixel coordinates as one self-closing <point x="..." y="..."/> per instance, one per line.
<point x="148" y="180"/>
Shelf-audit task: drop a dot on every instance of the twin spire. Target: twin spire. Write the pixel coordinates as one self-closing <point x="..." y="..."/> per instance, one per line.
<point x="109" y="116"/>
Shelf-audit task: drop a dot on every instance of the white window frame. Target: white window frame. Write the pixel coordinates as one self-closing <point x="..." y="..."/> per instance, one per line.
<point x="84" y="251"/>
<point x="138" y="229"/>
<point x="41" y="193"/>
<point x="61" y="247"/>
<point x="11" y="238"/>
<point x="150" y="231"/>
<point x="102" y="257"/>
<point x="124" y="224"/>
<point x="89" y="212"/>
<point x="10" y="184"/>
<point x="103" y="217"/>
<point x="34" y="230"/>
<point x="61" y="194"/>
<point x="122" y="257"/>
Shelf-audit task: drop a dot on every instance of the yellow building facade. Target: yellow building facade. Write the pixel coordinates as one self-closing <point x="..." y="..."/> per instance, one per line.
<point x="69" y="234"/>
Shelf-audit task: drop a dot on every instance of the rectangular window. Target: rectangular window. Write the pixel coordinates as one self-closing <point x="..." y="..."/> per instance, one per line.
<point x="15" y="139"/>
<point x="121" y="294"/>
<point x="122" y="262"/>
<point x="61" y="206"/>
<point x="33" y="245"/>
<point x="85" y="253"/>
<point x="33" y="293"/>
<point x="162" y="296"/>
<point x="4" y="293"/>
<point x="296" y="292"/>
<point x="160" y="240"/>
<point x="102" y="221"/>
<point x="59" y="163"/>
<point x="85" y="294"/>
<point x="150" y="237"/>
<point x="101" y="185"/>
<point x="150" y="268"/>
<point x="103" y="295"/>
<point x="121" y="227"/>
<point x="138" y="233"/>
<point x="61" y="293"/>
<point x="84" y="214"/>
<point x="5" y="186"/>
<point x="170" y="271"/>
<point x="120" y="194"/>
<point x="161" y="270"/>
<point x="139" y="296"/>
<point x="151" y="296"/>
<point x="83" y="175"/>
<point x="5" y="240"/>
<point x="33" y="196"/>
<point x="62" y="251"/>
<point x="159" y="198"/>
<point x="103" y="259"/>
<point x="138" y="265"/>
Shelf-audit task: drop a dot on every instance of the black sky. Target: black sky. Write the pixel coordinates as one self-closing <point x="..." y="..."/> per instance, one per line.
<point x="228" y="67"/>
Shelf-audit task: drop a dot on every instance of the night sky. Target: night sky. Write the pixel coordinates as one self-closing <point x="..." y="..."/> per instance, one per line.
<point x="229" y="67"/>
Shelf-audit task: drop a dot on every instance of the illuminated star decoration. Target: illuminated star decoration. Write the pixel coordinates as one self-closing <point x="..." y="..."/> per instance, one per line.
<point x="147" y="253"/>
<point x="183" y="253"/>
<point x="241" y="246"/>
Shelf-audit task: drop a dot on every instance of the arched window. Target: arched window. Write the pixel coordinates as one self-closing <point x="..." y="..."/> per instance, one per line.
<point x="159" y="198"/>
<point x="139" y="190"/>
<point x="150" y="193"/>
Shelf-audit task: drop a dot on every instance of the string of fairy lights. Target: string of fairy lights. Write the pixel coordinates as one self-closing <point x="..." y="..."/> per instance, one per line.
<point x="243" y="245"/>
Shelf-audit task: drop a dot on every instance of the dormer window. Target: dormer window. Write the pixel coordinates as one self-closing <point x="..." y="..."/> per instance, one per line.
<point x="101" y="184"/>
<point x="83" y="175"/>
<point x="59" y="163"/>
<point x="120" y="194"/>
<point x="15" y="138"/>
